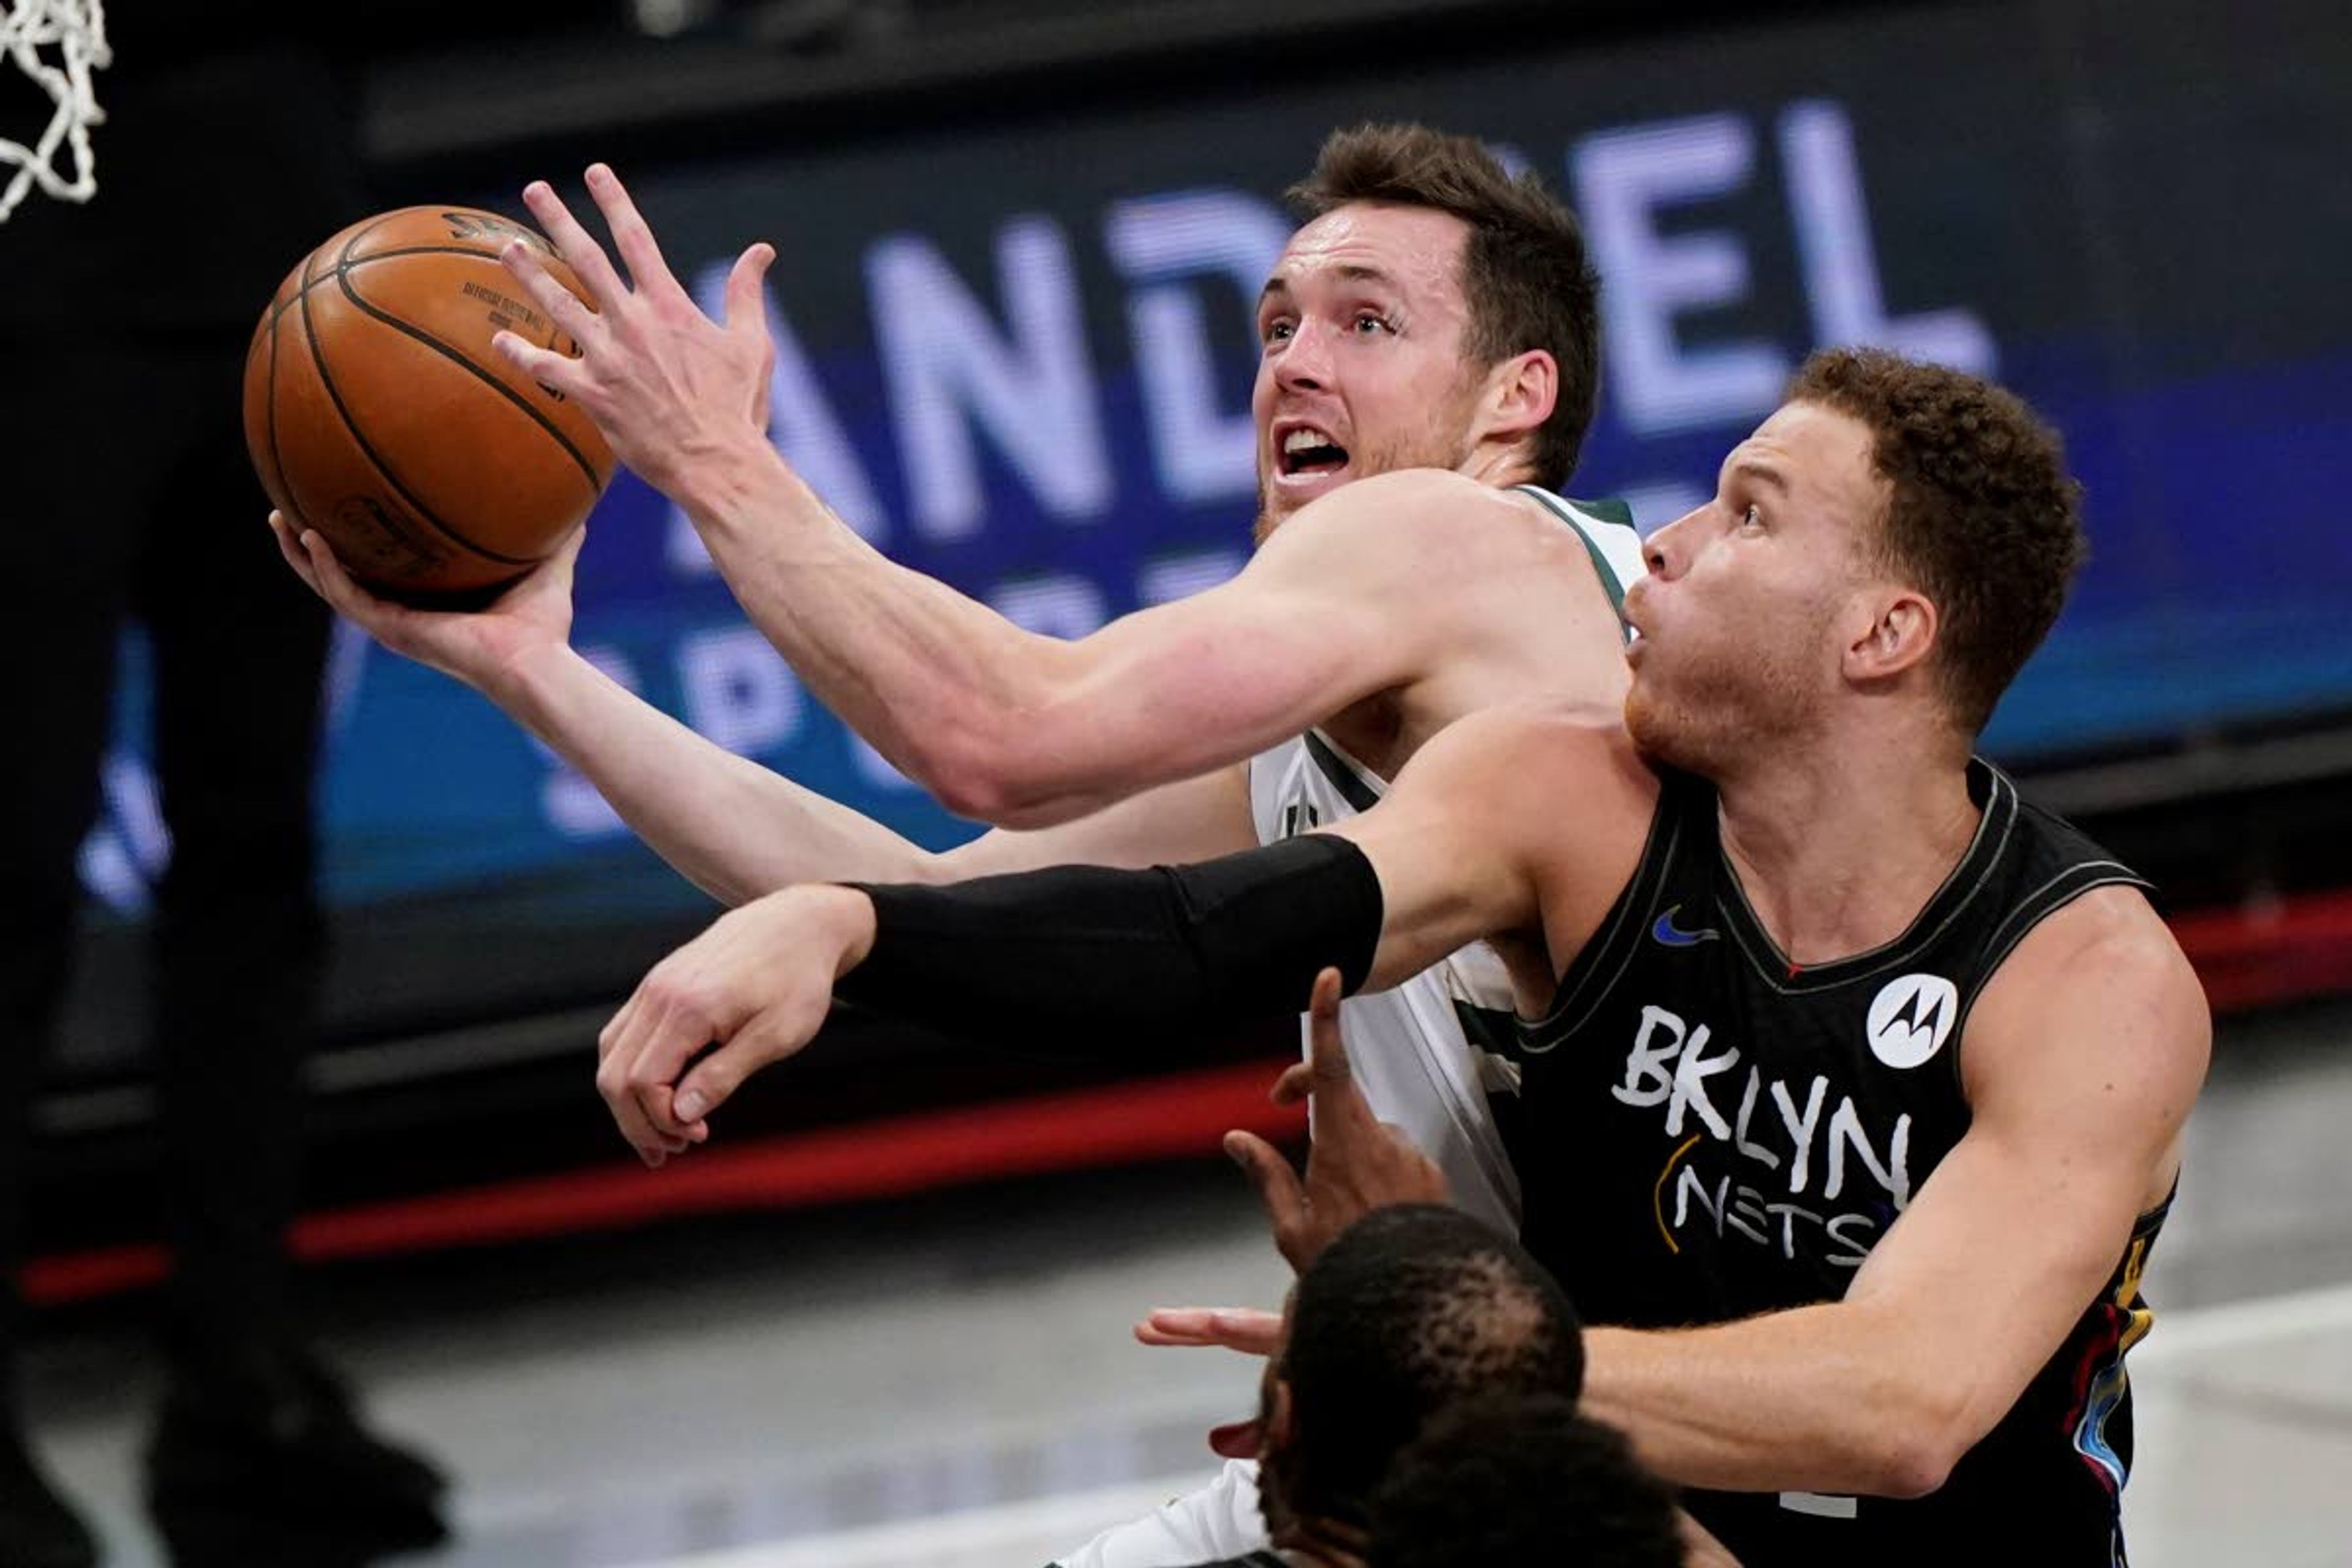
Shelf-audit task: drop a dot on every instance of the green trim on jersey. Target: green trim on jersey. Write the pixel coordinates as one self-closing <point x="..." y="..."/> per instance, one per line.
<point x="1578" y="515"/>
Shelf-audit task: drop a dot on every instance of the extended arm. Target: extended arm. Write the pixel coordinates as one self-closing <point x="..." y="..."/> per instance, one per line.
<point x="736" y="829"/>
<point x="2082" y="1058"/>
<point x="1098" y="960"/>
<point x="1357" y="594"/>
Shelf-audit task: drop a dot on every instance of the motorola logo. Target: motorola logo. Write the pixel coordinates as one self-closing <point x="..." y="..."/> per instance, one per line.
<point x="1910" y="1018"/>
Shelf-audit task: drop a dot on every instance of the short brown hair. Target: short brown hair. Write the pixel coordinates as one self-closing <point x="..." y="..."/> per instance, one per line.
<point x="1524" y="269"/>
<point x="1984" y="518"/>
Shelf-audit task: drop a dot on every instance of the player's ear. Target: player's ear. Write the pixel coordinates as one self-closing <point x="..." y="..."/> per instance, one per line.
<point x="1279" y="1427"/>
<point x="1898" y="634"/>
<point x="1521" y="392"/>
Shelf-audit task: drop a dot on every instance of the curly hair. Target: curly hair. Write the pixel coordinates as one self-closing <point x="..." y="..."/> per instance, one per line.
<point x="1983" y="517"/>
<point x="1411" y="1308"/>
<point x="1525" y="272"/>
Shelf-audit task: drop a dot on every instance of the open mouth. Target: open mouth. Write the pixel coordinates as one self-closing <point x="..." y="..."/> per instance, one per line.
<point x="1307" y="451"/>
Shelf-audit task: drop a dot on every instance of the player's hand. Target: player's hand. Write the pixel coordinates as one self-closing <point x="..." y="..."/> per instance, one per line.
<point x="753" y="989"/>
<point x="474" y="646"/>
<point x="1355" y="1161"/>
<point x="1252" y="1330"/>
<point x="668" y="386"/>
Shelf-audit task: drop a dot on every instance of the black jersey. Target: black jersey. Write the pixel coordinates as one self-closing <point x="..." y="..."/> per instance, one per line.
<point x="1714" y="1132"/>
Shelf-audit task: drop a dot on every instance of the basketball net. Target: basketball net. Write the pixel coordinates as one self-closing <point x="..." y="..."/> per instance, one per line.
<point x="56" y="43"/>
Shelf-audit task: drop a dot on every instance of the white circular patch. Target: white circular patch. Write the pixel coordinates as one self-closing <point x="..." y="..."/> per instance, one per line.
<point x="1910" y="1017"/>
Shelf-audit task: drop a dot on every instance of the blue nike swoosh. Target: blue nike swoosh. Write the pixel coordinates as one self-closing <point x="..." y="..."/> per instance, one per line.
<point x="1669" y="935"/>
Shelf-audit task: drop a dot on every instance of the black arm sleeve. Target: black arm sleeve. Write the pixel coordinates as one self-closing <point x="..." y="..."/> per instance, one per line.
<point x="1077" y="960"/>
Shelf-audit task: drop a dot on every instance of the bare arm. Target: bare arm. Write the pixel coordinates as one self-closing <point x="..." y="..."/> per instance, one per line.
<point x="1518" y="825"/>
<point x="1354" y="595"/>
<point x="736" y="829"/>
<point x="2082" y="1058"/>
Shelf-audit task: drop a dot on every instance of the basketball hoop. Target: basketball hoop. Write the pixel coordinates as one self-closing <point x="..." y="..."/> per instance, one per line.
<point x="56" y="43"/>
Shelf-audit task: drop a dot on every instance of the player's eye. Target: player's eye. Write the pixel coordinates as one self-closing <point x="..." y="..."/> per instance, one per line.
<point x="1276" y="330"/>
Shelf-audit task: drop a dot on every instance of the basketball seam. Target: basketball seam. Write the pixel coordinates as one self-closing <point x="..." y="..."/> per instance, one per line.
<point x="375" y="459"/>
<point x="345" y="265"/>
<point x="340" y="266"/>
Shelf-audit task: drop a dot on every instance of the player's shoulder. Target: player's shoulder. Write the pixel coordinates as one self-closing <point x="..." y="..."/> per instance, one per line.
<point x="1431" y="511"/>
<point x="2106" y="969"/>
<point x="2111" y="932"/>
<point x="1548" y="735"/>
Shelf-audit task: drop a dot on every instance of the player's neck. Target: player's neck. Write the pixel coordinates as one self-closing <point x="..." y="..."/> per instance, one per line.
<point x="1501" y="464"/>
<point x="1838" y="846"/>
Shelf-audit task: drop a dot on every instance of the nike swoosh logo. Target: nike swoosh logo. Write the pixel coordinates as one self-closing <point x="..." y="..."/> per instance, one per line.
<point x="1667" y="935"/>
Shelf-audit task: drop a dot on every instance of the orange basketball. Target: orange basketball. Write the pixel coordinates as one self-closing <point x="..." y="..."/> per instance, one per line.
<point x="377" y="413"/>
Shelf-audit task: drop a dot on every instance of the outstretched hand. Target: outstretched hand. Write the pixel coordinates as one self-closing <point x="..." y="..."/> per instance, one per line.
<point x="474" y="645"/>
<point x="753" y="989"/>
<point x="668" y="386"/>
<point x="1355" y="1161"/>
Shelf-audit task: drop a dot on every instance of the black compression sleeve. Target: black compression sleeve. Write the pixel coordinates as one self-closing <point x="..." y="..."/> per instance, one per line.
<point x="1083" y="961"/>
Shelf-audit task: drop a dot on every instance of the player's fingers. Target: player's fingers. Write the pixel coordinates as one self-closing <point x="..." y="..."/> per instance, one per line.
<point x="572" y="315"/>
<point x="747" y="305"/>
<point x="1247" y="1330"/>
<point x="713" y="1081"/>
<point x="617" y="1048"/>
<point x="574" y="242"/>
<point x="632" y="236"/>
<point x="350" y="601"/>
<point x="283" y="532"/>
<point x="1277" y="1184"/>
<point x="676" y="1136"/>
<point x="1327" y="1051"/>
<point x="613" y="1087"/>
<point x="558" y="372"/>
<point x="1297" y="1081"/>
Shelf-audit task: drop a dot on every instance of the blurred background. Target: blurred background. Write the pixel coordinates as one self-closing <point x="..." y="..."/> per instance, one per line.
<point x="1020" y="241"/>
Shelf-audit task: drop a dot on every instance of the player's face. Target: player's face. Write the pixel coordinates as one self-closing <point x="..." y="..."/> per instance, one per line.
<point x="1361" y="331"/>
<point x="1751" y="599"/>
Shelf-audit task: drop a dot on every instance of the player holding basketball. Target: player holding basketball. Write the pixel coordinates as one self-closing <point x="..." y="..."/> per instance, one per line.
<point x="1434" y="315"/>
<point x="1854" y="1085"/>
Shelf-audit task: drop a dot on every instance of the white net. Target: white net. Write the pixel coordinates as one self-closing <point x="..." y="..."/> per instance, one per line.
<point x="56" y="44"/>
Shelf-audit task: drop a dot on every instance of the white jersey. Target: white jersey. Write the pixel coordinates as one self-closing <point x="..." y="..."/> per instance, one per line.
<point x="1430" y="1054"/>
<point x="1420" y="1051"/>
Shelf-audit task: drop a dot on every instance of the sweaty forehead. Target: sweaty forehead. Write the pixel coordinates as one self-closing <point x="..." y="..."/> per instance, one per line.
<point x="1419" y="249"/>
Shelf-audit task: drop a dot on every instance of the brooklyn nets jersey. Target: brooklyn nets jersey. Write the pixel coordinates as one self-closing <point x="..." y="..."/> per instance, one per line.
<point x="1716" y="1132"/>
<point x="1432" y="1055"/>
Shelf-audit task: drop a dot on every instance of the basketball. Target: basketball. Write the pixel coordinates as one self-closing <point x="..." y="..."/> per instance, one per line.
<point x="377" y="413"/>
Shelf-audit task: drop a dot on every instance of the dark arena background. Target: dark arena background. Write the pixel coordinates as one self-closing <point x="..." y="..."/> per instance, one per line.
<point x="882" y="1318"/>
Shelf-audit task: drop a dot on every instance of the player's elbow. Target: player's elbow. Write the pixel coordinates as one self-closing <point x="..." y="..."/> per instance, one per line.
<point x="1919" y="1438"/>
<point x="1004" y="781"/>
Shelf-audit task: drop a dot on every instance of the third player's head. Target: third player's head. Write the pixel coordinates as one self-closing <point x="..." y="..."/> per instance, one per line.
<point x="1410" y="1309"/>
<point x="1433" y="312"/>
<point x="1880" y="558"/>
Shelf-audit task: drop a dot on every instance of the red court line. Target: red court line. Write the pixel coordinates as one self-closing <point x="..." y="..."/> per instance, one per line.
<point x="2283" y="949"/>
<point x="1181" y="1116"/>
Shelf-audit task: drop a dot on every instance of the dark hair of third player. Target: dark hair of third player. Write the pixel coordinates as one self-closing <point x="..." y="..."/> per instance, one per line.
<point x="1408" y="1310"/>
